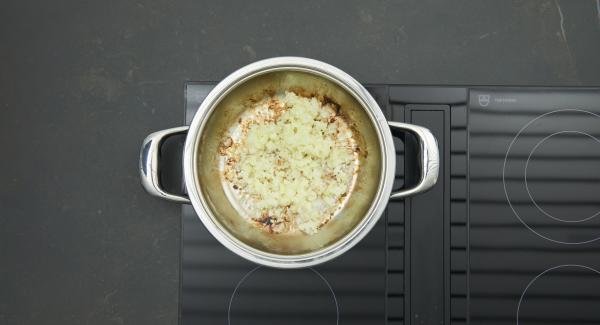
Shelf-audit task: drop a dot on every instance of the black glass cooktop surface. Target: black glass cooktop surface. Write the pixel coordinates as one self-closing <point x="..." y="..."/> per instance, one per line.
<point x="534" y="206"/>
<point x="510" y="234"/>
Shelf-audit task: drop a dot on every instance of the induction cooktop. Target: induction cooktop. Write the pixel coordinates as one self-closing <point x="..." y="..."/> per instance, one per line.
<point x="510" y="234"/>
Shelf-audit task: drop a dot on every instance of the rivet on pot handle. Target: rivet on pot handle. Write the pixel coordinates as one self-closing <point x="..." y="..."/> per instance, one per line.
<point x="429" y="159"/>
<point x="150" y="164"/>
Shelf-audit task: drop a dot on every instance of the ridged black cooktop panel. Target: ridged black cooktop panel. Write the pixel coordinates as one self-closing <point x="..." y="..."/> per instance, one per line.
<point x="534" y="205"/>
<point x="508" y="235"/>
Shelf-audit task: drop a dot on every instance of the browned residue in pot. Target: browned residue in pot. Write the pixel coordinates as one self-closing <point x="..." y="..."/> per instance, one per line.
<point x="282" y="219"/>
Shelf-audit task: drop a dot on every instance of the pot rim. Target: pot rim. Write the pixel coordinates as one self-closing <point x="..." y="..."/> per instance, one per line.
<point x="321" y="69"/>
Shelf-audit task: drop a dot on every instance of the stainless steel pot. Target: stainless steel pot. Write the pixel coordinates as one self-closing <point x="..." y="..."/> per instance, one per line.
<point x="222" y="107"/>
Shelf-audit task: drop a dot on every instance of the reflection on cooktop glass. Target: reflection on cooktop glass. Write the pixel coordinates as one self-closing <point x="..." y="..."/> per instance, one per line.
<point x="510" y="234"/>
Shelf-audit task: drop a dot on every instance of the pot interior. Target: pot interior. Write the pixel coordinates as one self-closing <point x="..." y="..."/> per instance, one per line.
<point x="227" y="112"/>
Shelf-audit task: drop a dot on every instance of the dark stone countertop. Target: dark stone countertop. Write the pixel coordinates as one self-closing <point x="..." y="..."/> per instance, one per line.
<point x="82" y="83"/>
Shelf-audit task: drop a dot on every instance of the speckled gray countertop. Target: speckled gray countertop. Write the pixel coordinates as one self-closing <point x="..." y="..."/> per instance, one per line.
<point x="82" y="83"/>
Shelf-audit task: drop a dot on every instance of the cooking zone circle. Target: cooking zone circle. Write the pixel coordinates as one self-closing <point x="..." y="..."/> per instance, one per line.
<point x="529" y="191"/>
<point x="549" y="171"/>
<point x="274" y="296"/>
<point x="563" y="294"/>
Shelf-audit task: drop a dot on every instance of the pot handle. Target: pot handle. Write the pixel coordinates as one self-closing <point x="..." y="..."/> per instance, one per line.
<point x="150" y="167"/>
<point x="429" y="158"/>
